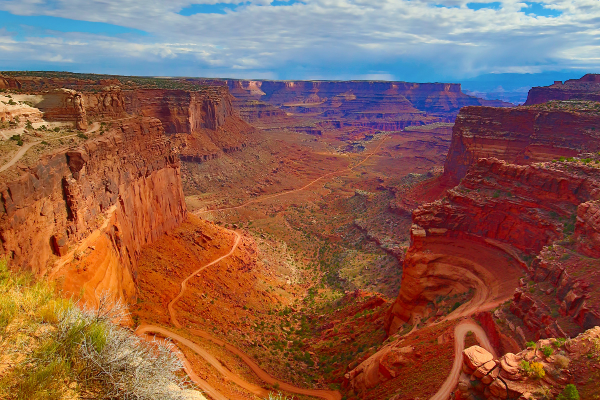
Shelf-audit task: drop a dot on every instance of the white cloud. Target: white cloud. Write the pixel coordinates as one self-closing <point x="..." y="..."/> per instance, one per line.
<point x="327" y="38"/>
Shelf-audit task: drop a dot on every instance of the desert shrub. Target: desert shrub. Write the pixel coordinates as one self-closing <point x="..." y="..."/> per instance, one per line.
<point x="278" y="396"/>
<point x="561" y="361"/>
<point x="18" y="139"/>
<point x="82" y="135"/>
<point x="559" y="342"/>
<point x="569" y="393"/>
<point x="547" y="350"/>
<point x="534" y="369"/>
<point x="455" y="306"/>
<point x="537" y="370"/>
<point x="530" y="344"/>
<point x="56" y="349"/>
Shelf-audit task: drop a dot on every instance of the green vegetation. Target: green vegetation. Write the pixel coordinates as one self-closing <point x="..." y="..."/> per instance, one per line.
<point x="54" y="350"/>
<point x="547" y="350"/>
<point x="569" y="393"/>
<point x="534" y="369"/>
<point x="18" y="139"/>
<point x="82" y="135"/>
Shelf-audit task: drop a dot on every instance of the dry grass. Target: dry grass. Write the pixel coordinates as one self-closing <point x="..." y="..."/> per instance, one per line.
<point x="53" y="349"/>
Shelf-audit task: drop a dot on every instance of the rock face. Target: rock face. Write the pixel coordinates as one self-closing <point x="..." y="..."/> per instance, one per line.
<point x="17" y="112"/>
<point x="517" y="209"/>
<point x="381" y="366"/>
<point x="9" y="83"/>
<point x="528" y="372"/>
<point x="182" y="111"/>
<point x="122" y="189"/>
<point x="521" y="135"/>
<point x="585" y="88"/>
<point x="107" y="104"/>
<point x="376" y="105"/>
<point x="64" y="105"/>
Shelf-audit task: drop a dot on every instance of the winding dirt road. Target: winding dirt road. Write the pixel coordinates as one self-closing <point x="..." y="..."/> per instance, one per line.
<point x="296" y="190"/>
<point x="185" y="281"/>
<point x="460" y="331"/>
<point x="95" y="126"/>
<point x="19" y="155"/>
<point x="263" y="375"/>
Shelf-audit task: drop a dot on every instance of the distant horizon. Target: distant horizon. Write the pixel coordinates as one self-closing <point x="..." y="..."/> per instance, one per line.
<point x="444" y="41"/>
<point x="493" y="86"/>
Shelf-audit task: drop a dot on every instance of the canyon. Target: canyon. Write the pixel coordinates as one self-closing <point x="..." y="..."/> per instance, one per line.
<point x="328" y="239"/>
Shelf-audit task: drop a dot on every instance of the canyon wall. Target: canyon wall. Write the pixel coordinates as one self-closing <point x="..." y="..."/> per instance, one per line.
<point x="123" y="189"/>
<point x="9" y="83"/>
<point x="375" y="105"/>
<point x="183" y="111"/>
<point x="521" y="135"/>
<point x="585" y="88"/>
<point x="516" y="209"/>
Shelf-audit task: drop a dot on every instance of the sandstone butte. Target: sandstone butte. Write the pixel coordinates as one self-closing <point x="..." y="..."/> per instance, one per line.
<point x="516" y="235"/>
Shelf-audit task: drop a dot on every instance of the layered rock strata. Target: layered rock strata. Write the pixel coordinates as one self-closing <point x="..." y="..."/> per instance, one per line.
<point x="389" y="106"/>
<point x="585" y="88"/>
<point x="183" y="111"/>
<point x="124" y="189"/>
<point x="521" y="135"/>
<point x="515" y="209"/>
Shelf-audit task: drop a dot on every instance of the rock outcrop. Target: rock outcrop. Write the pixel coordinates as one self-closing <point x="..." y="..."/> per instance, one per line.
<point x="543" y="369"/>
<point x="65" y="105"/>
<point x="183" y="111"/>
<point x="521" y="135"/>
<point x="389" y="106"/>
<point x="585" y="88"/>
<point x="9" y="83"/>
<point x="516" y="209"/>
<point x="112" y="195"/>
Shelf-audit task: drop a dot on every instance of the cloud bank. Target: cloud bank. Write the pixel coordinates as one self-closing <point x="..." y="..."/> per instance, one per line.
<point x="413" y="40"/>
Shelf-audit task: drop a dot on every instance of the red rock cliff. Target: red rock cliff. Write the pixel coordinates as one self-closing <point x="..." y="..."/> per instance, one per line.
<point x="444" y="99"/>
<point x="84" y="214"/>
<point x="520" y="135"/>
<point x="183" y="111"/>
<point x="585" y="88"/>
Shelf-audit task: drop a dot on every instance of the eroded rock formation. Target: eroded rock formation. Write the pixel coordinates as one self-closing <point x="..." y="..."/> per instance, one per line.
<point x="585" y="88"/>
<point x="521" y="135"/>
<point x="544" y="368"/>
<point x="123" y="187"/>
<point x="389" y="106"/>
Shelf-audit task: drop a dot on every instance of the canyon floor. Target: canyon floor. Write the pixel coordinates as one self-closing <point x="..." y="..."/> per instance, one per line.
<point x="306" y="293"/>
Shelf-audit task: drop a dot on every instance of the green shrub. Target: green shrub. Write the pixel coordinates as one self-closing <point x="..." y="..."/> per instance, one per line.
<point x="82" y="135"/>
<point x="18" y="139"/>
<point x="559" y="342"/>
<point x="547" y="350"/>
<point x="569" y="393"/>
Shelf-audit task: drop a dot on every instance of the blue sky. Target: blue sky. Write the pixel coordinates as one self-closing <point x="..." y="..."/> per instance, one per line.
<point x="411" y="40"/>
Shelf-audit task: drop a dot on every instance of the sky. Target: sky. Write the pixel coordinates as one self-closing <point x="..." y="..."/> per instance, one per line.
<point x="408" y="40"/>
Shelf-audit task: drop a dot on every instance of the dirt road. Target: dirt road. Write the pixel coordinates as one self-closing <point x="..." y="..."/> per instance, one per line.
<point x="296" y="190"/>
<point x="460" y="332"/>
<point x="95" y="126"/>
<point x="260" y="391"/>
<point x="185" y="281"/>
